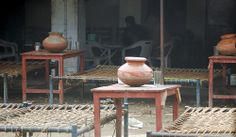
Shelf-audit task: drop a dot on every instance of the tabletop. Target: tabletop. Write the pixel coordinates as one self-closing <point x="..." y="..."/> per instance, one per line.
<point x="222" y="57"/>
<point x="47" y="53"/>
<point x="127" y="88"/>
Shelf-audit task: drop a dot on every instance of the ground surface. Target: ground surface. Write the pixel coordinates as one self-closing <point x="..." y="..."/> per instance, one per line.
<point x="140" y="109"/>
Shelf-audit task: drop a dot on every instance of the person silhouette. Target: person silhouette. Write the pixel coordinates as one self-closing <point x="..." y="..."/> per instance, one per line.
<point x="133" y="32"/>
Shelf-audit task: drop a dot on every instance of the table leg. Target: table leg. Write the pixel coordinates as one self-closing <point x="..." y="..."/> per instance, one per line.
<point x="158" y="112"/>
<point x="81" y="63"/>
<point x="210" y="84"/>
<point x="118" y="117"/>
<point x="24" y="79"/>
<point x="176" y="106"/>
<point x="224" y="74"/>
<point x="97" y="124"/>
<point x="47" y="70"/>
<point x="60" y="84"/>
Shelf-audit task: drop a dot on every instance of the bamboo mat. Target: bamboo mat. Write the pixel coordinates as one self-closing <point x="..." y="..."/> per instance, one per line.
<point x="189" y="74"/>
<point x="205" y="120"/>
<point x="13" y="69"/>
<point x="109" y="73"/>
<point x="52" y="116"/>
<point x="100" y="73"/>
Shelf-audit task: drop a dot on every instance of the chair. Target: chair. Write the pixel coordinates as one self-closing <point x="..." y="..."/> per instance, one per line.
<point x="146" y="48"/>
<point x="168" y="48"/>
<point x="97" y="54"/>
<point x="8" y="49"/>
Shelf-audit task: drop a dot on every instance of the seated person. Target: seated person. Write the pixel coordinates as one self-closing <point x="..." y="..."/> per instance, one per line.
<point x="133" y="33"/>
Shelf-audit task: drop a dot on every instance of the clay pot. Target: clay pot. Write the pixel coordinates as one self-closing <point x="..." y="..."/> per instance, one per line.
<point x="135" y="72"/>
<point x="226" y="46"/>
<point x="55" y="42"/>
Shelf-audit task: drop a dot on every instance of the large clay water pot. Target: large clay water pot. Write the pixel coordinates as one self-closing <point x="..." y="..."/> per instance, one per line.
<point x="55" y="42"/>
<point x="226" y="46"/>
<point x="135" y="72"/>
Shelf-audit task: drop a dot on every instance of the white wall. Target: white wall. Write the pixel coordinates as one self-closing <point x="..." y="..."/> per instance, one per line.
<point x="65" y="19"/>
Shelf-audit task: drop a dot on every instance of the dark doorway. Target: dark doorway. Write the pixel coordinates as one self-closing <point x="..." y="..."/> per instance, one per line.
<point x="25" y="22"/>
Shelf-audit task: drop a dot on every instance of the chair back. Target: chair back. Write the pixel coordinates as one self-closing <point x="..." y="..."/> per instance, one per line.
<point x="8" y="50"/>
<point x="96" y="54"/>
<point x="146" y="48"/>
<point x="168" y="49"/>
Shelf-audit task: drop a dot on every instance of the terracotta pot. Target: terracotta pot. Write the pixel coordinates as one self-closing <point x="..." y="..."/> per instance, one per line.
<point x="135" y="72"/>
<point x="55" y="42"/>
<point x="226" y="46"/>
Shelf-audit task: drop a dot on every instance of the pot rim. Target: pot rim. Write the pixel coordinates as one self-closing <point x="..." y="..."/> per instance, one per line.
<point x="129" y="58"/>
<point x="226" y="36"/>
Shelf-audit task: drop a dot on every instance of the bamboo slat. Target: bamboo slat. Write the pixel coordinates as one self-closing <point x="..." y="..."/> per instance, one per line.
<point x="205" y="120"/>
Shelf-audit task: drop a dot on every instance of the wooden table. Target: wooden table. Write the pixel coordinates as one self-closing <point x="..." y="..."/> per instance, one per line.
<point x="47" y="56"/>
<point x="120" y="91"/>
<point x="224" y="60"/>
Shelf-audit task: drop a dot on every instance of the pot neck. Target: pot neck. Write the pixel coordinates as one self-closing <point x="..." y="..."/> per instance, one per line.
<point x="55" y="33"/>
<point x="135" y="62"/>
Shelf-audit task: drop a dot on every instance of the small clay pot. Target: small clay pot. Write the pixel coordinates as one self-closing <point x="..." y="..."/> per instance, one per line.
<point x="226" y="46"/>
<point x="135" y="72"/>
<point x="55" y="42"/>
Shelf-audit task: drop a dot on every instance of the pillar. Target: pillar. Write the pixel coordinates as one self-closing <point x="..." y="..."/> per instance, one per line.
<point x="64" y="18"/>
